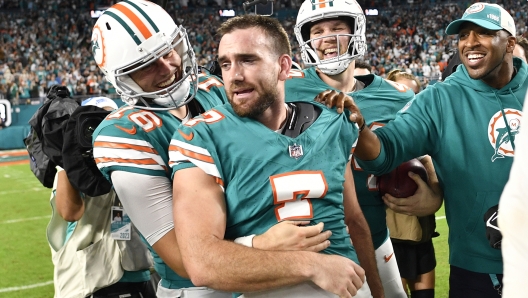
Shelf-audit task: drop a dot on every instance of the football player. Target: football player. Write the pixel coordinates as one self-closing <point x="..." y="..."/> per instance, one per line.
<point x="149" y="60"/>
<point x="259" y="161"/>
<point x="331" y="36"/>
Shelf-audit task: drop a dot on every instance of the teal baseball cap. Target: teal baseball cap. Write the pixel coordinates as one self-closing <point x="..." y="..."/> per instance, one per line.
<point x="486" y="15"/>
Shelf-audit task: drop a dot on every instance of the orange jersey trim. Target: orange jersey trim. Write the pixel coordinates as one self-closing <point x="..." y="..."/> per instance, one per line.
<point x="191" y="154"/>
<point x="125" y="146"/>
<point x="147" y="161"/>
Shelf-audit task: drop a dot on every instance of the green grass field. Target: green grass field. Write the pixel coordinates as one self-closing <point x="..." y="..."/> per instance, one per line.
<point x="25" y="259"/>
<point x="442" y="256"/>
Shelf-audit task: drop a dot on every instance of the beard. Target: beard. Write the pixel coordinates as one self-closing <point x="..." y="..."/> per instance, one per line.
<point x="261" y="104"/>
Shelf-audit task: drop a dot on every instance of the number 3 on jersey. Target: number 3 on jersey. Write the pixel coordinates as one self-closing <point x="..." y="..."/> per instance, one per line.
<point x="292" y="192"/>
<point x="208" y="83"/>
<point x="208" y="117"/>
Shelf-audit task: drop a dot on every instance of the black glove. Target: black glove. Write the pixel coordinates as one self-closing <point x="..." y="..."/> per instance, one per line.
<point x="492" y="228"/>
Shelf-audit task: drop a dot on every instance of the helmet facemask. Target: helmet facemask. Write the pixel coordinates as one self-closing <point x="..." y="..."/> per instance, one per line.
<point x="356" y="47"/>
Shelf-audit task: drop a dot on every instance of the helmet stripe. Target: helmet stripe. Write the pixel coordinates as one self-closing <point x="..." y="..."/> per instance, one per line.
<point x="135" y="20"/>
<point x="145" y="15"/>
<point x="124" y="24"/>
<point x="321" y="4"/>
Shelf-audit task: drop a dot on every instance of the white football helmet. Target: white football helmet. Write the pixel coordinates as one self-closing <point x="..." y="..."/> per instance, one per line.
<point x="132" y="34"/>
<point x="312" y="11"/>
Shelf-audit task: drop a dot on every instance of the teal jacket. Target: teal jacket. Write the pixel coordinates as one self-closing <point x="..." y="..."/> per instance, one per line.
<point x="468" y="128"/>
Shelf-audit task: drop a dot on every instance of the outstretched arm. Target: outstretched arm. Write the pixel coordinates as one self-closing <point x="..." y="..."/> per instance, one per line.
<point x="368" y="146"/>
<point x="200" y="221"/>
<point x="360" y="234"/>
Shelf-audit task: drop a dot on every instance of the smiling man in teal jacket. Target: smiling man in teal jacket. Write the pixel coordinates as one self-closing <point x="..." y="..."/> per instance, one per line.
<point x="468" y="125"/>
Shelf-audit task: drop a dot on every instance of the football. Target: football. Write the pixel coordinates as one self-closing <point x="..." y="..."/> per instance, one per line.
<point x="397" y="183"/>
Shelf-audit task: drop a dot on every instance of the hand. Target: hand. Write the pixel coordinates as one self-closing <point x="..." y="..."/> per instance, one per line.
<point x="338" y="275"/>
<point x="332" y="98"/>
<point x="294" y="235"/>
<point x="424" y="201"/>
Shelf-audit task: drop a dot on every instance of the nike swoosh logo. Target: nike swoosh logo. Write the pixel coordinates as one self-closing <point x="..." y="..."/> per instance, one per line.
<point x="387" y="258"/>
<point x="131" y="131"/>
<point x="187" y="137"/>
<point x="492" y="218"/>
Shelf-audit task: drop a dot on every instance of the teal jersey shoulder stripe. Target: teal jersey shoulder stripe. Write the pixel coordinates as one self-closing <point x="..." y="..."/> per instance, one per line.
<point x="144" y="15"/>
<point x="124" y="24"/>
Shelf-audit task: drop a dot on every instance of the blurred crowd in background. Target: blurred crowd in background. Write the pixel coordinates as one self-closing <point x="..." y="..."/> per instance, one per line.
<point x="48" y="42"/>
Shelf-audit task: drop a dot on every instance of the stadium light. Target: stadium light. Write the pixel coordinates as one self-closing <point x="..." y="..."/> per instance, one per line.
<point x="373" y="12"/>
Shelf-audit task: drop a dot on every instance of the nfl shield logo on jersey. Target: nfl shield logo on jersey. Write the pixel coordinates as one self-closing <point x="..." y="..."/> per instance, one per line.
<point x="295" y="151"/>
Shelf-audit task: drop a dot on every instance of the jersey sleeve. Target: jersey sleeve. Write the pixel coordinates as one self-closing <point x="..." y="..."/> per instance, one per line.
<point x="126" y="147"/>
<point x="189" y="149"/>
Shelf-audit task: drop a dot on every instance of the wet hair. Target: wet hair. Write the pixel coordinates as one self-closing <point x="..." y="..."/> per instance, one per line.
<point x="270" y="26"/>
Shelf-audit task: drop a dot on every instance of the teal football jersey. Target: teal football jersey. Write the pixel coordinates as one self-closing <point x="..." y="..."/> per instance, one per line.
<point x="379" y="102"/>
<point x="136" y="140"/>
<point x="268" y="177"/>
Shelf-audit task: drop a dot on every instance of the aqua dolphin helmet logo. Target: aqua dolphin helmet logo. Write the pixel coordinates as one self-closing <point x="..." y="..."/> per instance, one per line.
<point x="98" y="46"/>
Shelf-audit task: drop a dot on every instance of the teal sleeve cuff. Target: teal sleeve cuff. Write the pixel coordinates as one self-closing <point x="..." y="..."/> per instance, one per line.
<point x="181" y="166"/>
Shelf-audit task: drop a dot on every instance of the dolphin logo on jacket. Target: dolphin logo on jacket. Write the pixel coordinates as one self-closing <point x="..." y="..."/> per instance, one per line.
<point x="502" y="134"/>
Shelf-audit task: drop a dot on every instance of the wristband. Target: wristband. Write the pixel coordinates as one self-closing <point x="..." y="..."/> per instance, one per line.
<point x="246" y="240"/>
<point x="58" y="168"/>
<point x="362" y="126"/>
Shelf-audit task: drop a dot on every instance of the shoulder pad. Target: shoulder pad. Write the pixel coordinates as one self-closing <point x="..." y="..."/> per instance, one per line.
<point x="303" y="115"/>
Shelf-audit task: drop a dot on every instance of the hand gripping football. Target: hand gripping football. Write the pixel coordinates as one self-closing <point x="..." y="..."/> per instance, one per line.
<point x="397" y="183"/>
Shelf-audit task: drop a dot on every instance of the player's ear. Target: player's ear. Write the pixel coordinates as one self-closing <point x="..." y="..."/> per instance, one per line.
<point x="511" y="44"/>
<point x="285" y="65"/>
